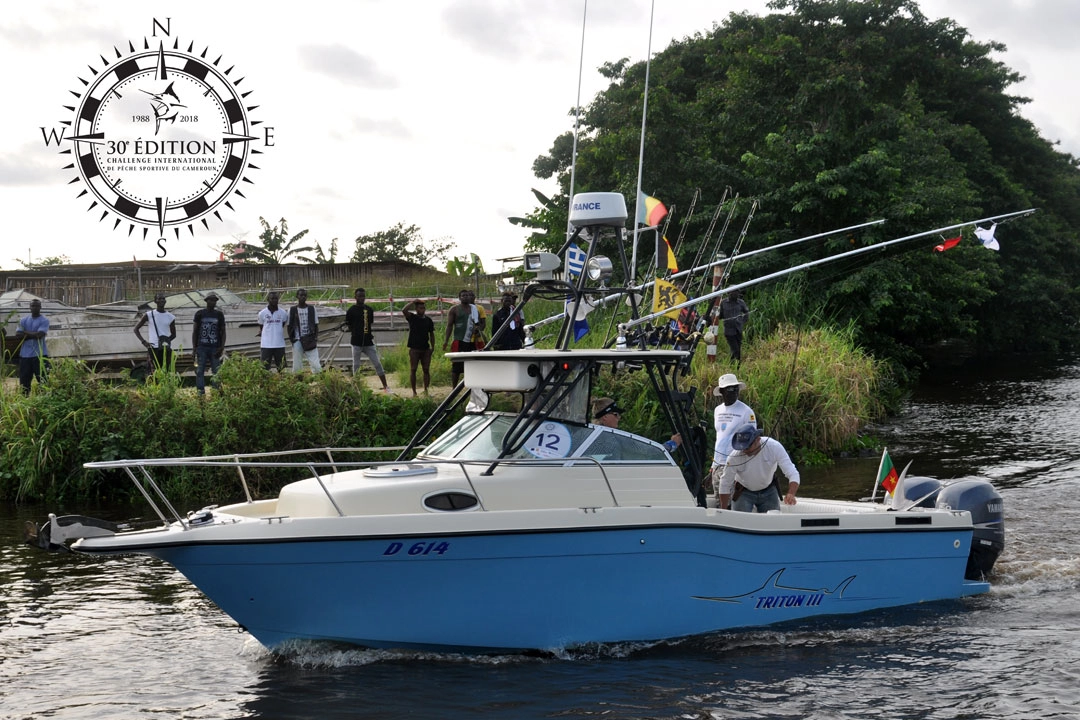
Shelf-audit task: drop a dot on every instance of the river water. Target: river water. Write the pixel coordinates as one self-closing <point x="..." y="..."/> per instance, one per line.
<point x="130" y="638"/>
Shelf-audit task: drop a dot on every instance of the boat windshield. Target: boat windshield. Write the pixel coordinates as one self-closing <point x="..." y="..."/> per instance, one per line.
<point x="197" y="298"/>
<point x="480" y="437"/>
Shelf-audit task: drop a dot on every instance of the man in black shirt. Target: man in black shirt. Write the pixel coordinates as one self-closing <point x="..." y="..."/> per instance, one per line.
<point x="207" y="341"/>
<point x="421" y="342"/>
<point x="512" y="337"/>
<point x="359" y="319"/>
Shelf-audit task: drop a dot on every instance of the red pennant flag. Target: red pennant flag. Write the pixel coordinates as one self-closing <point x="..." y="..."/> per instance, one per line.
<point x="950" y="243"/>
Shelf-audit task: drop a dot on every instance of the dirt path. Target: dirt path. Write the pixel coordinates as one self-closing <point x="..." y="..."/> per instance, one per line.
<point x="372" y="380"/>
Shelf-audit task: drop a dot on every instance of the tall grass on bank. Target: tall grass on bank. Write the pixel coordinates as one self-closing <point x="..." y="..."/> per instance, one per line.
<point x="77" y="417"/>
<point x="813" y="390"/>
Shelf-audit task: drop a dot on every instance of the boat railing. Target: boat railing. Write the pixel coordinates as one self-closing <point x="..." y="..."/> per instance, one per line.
<point x="138" y="471"/>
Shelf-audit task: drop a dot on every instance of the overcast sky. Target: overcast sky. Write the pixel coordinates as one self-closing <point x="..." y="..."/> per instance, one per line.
<point x="428" y="112"/>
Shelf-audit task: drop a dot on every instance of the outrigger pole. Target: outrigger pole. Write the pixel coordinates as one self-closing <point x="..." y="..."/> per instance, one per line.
<point x="641" y="150"/>
<point x="757" y="281"/>
<point x="637" y="289"/>
<point x="577" y="121"/>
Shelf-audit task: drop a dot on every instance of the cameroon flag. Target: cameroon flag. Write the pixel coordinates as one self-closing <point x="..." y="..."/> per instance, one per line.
<point x="887" y="475"/>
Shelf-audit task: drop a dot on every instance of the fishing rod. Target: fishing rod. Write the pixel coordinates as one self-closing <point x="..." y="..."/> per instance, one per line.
<point x="708" y="235"/>
<point x="686" y="223"/>
<point x="639" y="289"/>
<point x="772" y="276"/>
<point x="711" y="316"/>
<point x="716" y="253"/>
<point x="738" y="244"/>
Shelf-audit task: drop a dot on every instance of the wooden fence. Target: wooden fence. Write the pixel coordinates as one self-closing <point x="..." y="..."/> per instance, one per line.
<point x="81" y="285"/>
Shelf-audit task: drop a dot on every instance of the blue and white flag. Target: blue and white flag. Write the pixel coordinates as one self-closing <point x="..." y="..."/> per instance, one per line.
<point x="581" y="325"/>
<point x="575" y="260"/>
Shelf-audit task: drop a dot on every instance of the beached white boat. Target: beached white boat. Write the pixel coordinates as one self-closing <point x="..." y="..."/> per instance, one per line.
<point x="538" y="529"/>
<point x="102" y="335"/>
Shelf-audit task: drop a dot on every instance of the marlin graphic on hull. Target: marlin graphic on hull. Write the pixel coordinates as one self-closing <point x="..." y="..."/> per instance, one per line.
<point x="771" y="594"/>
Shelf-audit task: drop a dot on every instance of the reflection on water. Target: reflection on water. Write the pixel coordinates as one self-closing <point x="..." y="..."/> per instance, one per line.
<point x="129" y="637"/>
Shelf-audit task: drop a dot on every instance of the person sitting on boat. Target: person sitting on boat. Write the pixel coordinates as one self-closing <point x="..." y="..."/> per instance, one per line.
<point x="730" y="415"/>
<point x="606" y="413"/>
<point x="747" y="483"/>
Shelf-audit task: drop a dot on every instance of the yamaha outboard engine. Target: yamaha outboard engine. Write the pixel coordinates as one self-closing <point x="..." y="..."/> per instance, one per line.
<point x="987" y="515"/>
<point x="923" y="491"/>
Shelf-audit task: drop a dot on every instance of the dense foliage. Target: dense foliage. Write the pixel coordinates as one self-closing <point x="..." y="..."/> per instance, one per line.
<point x="401" y="242"/>
<point x="78" y="417"/>
<point x="831" y="113"/>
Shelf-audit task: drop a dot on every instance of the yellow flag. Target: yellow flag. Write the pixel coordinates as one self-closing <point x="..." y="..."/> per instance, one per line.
<point x="667" y="296"/>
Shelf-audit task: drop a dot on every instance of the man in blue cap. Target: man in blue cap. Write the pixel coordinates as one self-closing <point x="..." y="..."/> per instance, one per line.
<point x="746" y="483"/>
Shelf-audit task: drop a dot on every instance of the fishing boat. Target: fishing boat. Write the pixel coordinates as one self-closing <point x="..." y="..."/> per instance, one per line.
<point x="535" y="528"/>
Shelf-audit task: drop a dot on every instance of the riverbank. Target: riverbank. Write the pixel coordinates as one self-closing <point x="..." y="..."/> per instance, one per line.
<point x="811" y="388"/>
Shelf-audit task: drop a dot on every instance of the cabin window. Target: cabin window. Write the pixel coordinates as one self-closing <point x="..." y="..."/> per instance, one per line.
<point x="479" y="437"/>
<point x="448" y="445"/>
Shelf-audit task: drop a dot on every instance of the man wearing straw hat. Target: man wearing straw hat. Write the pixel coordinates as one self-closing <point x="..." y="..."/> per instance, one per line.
<point x="731" y="414"/>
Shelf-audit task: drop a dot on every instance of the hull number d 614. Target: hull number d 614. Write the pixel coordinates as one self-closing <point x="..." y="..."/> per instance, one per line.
<point x="433" y="547"/>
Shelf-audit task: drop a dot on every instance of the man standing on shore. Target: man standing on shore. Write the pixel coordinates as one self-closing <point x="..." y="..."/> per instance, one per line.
<point x="465" y="323"/>
<point x="734" y="311"/>
<point x="304" y="334"/>
<point x="207" y="341"/>
<point x="359" y="319"/>
<point x="513" y="337"/>
<point x="162" y="328"/>
<point x="272" y="321"/>
<point x="32" y="351"/>
<point x="421" y="342"/>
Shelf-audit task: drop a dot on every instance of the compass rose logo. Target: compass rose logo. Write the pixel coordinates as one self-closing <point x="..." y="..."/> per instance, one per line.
<point x="161" y="138"/>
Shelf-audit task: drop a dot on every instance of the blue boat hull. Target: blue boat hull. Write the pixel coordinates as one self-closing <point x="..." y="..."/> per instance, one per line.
<point x="554" y="589"/>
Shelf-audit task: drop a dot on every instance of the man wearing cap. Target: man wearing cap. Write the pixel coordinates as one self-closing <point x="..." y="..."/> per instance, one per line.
<point x="606" y="412"/>
<point x="207" y="341"/>
<point x="746" y="483"/>
<point x="731" y="414"/>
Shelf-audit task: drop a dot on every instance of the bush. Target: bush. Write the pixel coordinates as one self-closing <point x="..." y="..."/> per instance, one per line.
<point x="78" y="417"/>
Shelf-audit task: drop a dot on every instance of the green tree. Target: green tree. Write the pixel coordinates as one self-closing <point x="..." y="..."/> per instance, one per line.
<point x="50" y="261"/>
<point x="834" y="112"/>
<point x="275" y="247"/>
<point x="465" y="266"/>
<point x="400" y="243"/>
<point x="322" y="259"/>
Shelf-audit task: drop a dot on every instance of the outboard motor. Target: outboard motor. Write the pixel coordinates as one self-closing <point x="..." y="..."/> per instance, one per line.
<point x="987" y="515"/>
<point x="922" y="491"/>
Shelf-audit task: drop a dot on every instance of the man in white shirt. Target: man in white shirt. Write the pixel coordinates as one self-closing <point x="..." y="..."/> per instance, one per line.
<point x="162" y="331"/>
<point x="272" y="322"/>
<point x="730" y="415"/>
<point x="747" y="479"/>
